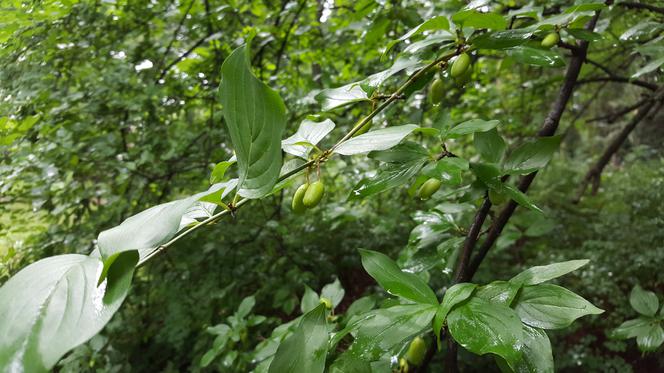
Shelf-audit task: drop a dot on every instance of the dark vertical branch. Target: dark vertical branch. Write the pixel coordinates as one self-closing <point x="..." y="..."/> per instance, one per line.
<point x="593" y="175"/>
<point x="548" y="128"/>
<point x="471" y="240"/>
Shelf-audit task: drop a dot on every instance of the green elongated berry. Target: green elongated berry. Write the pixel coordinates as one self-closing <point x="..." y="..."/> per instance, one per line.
<point x="550" y="40"/>
<point x="416" y="351"/>
<point x="429" y="187"/>
<point x="463" y="79"/>
<point x="298" y="204"/>
<point x="436" y="92"/>
<point x="460" y="65"/>
<point x="314" y="194"/>
<point x="364" y="128"/>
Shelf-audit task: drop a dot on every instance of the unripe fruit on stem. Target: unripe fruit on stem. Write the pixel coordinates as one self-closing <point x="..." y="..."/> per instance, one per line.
<point x="403" y="366"/>
<point x="416" y="351"/>
<point x="314" y="194"/>
<point x="550" y="40"/>
<point x="436" y="92"/>
<point x="326" y="302"/>
<point x="460" y="65"/>
<point x="429" y="187"/>
<point x="463" y="79"/>
<point x="297" y="204"/>
<point x="364" y="128"/>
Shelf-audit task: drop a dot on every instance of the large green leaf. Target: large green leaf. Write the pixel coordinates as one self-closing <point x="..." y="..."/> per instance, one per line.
<point x="432" y="24"/>
<point x="490" y="145"/>
<point x="456" y="294"/>
<point x="54" y="305"/>
<point x="536" y="56"/>
<point x="403" y="284"/>
<point x="473" y="18"/>
<point x="385" y="328"/>
<point x="632" y="328"/>
<point x="538" y="274"/>
<point x="502" y="39"/>
<point x="148" y="229"/>
<point x="537" y="355"/>
<point x="531" y="156"/>
<point x="643" y="301"/>
<point x="256" y="117"/>
<point x="483" y="327"/>
<point x="308" y="134"/>
<point x="402" y="163"/>
<point x="502" y="292"/>
<point x="652" y="339"/>
<point x="381" y="139"/>
<point x="471" y="126"/>
<point x="305" y="350"/>
<point x="549" y="306"/>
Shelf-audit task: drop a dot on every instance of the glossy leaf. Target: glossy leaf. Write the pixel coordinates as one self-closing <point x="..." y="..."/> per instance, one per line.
<point x="432" y="24"/>
<point x="454" y="295"/>
<point x="219" y="171"/>
<point x="310" y="300"/>
<point x="536" y="56"/>
<point x="501" y="292"/>
<point x="649" y="67"/>
<point x="473" y="18"/>
<point x="309" y="132"/>
<point x="385" y="328"/>
<point x="549" y="306"/>
<point x="537" y="275"/>
<point x="472" y="126"/>
<point x="502" y="39"/>
<point x="255" y="117"/>
<point x="490" y="145"/>
<point x="643" y="301"/>
<point x="652" y="339"/>
<point x="531" y="156"/>
<point x="519" y="197"/>
<point x="306" y="349"/>
<point x="334" y="292"/>
<point x="381" y="139"/>
<point x="403" y="284"/>
<point x="537" y="356"/>
<point x="633" y="328"/>
<point x="63" y="308"/>
<point x="482" y="327"/>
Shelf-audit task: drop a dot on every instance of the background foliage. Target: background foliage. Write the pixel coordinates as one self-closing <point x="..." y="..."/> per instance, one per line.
<point x="108" y="108"/>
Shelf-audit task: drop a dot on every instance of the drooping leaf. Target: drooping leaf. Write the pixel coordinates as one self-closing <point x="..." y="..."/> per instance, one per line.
<point x="537" y="356"/>
<point x="536" y="56"/>
<point x="404" y="284"/>
<point x="649" y="67"/>
<point x="490" y="145"/>
<point x="537" y="275"/>
<point x="482" y="327"/>
<point x="381" y="139"/>
<point x="652" y="339"/>
<point x="643" y="301"/>
<point x="309" y="132"/>
<point x="531" y="156"/>
<point x="472" y="126"/>
<point x="456" y="294"/>
<point x="306" y="349"/>
<point x="385" y="328"/>
<point x="54" y="305"/>
<point x="255" y="117"/>
<point x="549" y="306"/>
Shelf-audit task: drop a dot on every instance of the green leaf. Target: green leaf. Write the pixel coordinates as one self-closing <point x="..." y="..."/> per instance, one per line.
<point x="381" y="139"/>
<point x="219" y="171"/>
<point x="148" y="229"/>
<point x="490" y="145"/>
<point x="256" y="117"/>
<point x="536" y="56"/>
<point x="531" y="156"/>
<point x="643" y="301"/>
<point x="537" y="355"/>
<point x="472" y="126"/>
<point x="454" y="295"/>
<point x="309" y="300"/>
<point x="519" y="197"/>
<point x="537" y="275"/>
<point x="449" y="170"/>
<point x="649" y="67"/>
<point x="502" y="39"/>
<point x="632" y="328"/>
<point x="349" y="363"/>
<point x="482" y="327"/>
<point x="549" y="306"/>
<point x="403" y="284"/>
<point x="652" y="339"/>
<point x="432" y="24"/>
<point x="473" y="18"/>
<point x="583" y="34"/>
<point x="386" y="328"/>
<point x="305" y="350"/>
<point x="309" y="132"/>
<point x="334" y="292"/>
<point x="501" y="292"/>
<point x="54" y="305"/>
